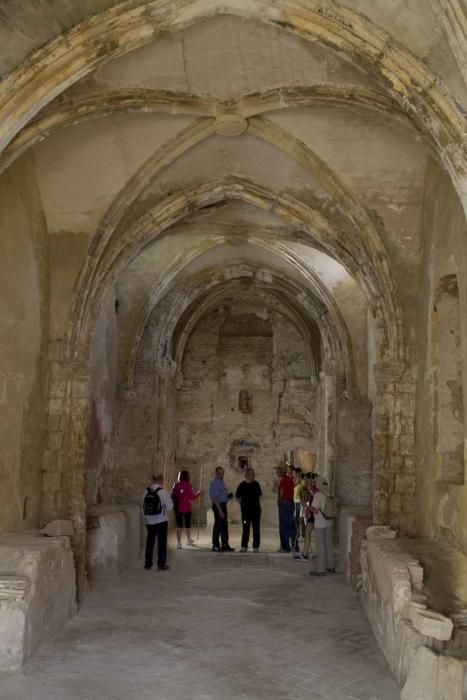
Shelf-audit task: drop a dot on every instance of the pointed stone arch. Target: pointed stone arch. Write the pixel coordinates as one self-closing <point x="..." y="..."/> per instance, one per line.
<point x="65" y="113"/>
<point x="328" y="315"/>
<point x="371" y="271"/>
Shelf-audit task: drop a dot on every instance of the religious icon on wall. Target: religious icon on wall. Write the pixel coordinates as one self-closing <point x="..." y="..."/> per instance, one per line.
<point x="244" y="401"/>
<point x="243" y="463"/>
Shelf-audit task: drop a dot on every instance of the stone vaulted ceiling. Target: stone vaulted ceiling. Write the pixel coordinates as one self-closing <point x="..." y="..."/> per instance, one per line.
<point x="172" y="140"/>
<point x="205" y="131"/>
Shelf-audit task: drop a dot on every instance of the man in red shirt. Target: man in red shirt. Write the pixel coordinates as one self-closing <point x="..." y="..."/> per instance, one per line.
<point x="287" y="531"/>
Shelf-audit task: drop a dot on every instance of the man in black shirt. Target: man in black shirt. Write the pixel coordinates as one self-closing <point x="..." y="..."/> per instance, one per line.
<point x="248" y="493"/>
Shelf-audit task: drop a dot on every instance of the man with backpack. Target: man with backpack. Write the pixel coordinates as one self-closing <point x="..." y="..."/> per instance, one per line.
<point x="156" y="504"/>
<point x="324" y="508"/>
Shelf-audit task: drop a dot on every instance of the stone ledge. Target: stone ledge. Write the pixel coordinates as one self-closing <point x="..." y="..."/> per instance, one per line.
<point x="435" y="677"/>
<point x="13" y="587"/>
<point x="37" y="593"/>
<point x="114" y="540"/>
<point x="353" y="523"/>
<point x="395" y="601"/>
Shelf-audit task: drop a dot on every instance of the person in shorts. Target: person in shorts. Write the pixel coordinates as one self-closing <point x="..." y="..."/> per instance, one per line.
<point x="183" y="496"/>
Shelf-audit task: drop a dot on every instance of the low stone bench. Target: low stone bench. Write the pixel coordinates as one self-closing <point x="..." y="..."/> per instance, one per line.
<point x="37" y="593"/>
<point x="113" y="539"/>
<point x="416" y="639"/>
<point x="352" y="524"/>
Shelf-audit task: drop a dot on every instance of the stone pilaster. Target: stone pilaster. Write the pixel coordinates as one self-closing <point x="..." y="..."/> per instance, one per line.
<point x="165" y="408"/>
<point x="394" y="447"/>
<point x="329" y="396"/>
<point x="64" y="459"/>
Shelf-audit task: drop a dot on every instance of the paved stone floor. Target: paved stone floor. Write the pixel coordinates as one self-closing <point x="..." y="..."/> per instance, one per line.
<point x="243" y="626"/>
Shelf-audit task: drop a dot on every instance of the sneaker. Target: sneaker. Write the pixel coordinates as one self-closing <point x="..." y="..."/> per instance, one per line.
<point x="190" y="542"/>
<point x="163" y="568"/>
<point x="317" y="573"/>
<point x="227" y="548"/>
<point x="283" y="551"/>
<point x="216" y="549"/>
<point x="301" y="557"/>
<point x="148" y="567"/>
<point x="179" y="545"/>
<point x="331" y="571"/>
<point x="244" y="549"/>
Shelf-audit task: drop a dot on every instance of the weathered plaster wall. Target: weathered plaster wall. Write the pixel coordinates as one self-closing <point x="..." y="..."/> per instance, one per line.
<point x="82" y="169"/>
<point x="384" y="167"/>
<point x="441" y="502"/>
<point x="196" y="60"/>
<point x="24" y="299"/>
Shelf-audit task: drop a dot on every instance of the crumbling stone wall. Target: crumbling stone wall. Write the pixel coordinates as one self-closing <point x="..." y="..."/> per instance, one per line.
<point x="262" y="353"/>
<point x="23" y="347"/>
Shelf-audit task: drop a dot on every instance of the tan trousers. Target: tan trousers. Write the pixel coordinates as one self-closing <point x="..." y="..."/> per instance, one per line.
<point x="324" y="549"/>
<point x="307" y="544"/>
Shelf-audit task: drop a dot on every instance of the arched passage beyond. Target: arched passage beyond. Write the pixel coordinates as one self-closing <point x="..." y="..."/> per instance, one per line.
<point x="200" y="351"/>
<point x="373" y="275"/>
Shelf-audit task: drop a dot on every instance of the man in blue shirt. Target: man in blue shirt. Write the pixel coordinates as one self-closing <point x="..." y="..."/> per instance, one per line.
<point x="219" y="496"/>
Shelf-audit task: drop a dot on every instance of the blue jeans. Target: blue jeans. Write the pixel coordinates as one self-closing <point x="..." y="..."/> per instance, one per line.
<point x="287" y="529"/>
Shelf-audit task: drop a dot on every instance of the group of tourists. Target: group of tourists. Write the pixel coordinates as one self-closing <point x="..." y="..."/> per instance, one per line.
<point x="304" y="506"/>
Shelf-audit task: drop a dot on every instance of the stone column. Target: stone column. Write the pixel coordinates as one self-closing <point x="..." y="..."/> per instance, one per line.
<point x="394" y="447"/>
<point x="328" y="378"/>
<point x="64" y="459"/>
<point x="165" y="397"/>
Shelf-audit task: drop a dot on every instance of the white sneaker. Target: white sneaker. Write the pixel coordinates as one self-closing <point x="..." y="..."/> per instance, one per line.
<point x="179" y="545"/>
<point x="191" y="542"/>
<point x="243" y="549"/>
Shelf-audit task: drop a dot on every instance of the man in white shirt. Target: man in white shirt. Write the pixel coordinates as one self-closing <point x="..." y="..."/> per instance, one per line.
<point x="323" y="530"/>
<point x="156" y="504"/>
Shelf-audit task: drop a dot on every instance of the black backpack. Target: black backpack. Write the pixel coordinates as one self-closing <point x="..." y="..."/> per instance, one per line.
<point x="152" y="504"/>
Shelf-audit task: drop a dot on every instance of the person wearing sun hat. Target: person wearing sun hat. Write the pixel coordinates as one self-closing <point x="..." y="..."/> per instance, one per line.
<point x="323" y="530"/>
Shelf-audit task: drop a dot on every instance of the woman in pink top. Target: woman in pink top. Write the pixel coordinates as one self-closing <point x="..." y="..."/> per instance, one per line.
<point x="183" y="495"/>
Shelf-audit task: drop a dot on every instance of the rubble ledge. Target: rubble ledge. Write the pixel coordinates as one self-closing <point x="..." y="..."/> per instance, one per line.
<point x="37" y="593"/>
<point x="426" y="649"/>
<point x="113" y="538"/>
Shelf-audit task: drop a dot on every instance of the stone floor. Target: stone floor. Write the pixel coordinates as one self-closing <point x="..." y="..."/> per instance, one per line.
<point x="224" y="626"/>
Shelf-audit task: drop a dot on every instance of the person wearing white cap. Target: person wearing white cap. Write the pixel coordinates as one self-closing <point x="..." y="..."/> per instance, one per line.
<point x="323" y="530"/>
